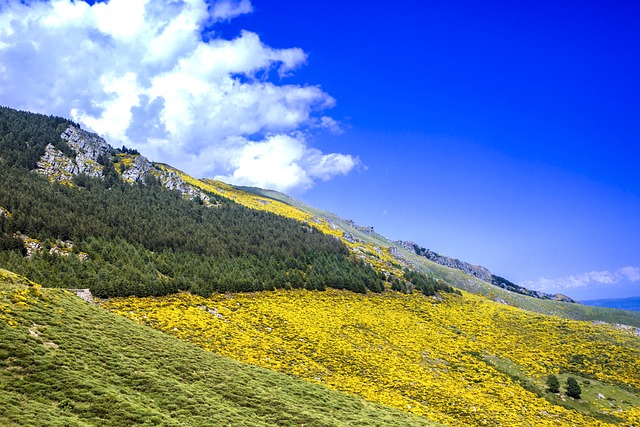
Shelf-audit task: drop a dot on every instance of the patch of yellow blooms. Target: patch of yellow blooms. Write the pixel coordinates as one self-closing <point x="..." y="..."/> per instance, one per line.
<point x="419" y="354"/>
<point x="4" y="212"/>
<point x="13" y="299"/>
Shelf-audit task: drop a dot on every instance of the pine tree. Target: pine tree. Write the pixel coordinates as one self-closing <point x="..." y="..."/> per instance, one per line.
<point x="553" y="384"/>
<point x="573" y="389"/>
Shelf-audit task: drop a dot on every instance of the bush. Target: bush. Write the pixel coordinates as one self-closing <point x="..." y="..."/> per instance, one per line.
<point x="553" y="384"/>
<point x="573" y="388"/>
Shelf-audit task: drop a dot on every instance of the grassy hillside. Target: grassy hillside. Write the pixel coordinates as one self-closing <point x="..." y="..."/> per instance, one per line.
<point x="64" y="362"/>
<point x="331" y="223"/>
<point x="460" y="360"/>
<point x="475" y="358"/>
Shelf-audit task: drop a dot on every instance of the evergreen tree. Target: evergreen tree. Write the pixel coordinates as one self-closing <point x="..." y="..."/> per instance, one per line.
<point x="573" y="388"/>
<point x="553" y="384"/>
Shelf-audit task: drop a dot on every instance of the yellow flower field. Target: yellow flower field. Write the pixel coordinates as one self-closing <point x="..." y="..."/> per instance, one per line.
<point x="460" y="360"/>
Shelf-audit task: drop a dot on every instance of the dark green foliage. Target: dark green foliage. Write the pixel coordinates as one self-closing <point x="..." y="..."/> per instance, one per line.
<point x="573" y="388"/>
<point x="126" y="150"/>
<point x="24" y="136"/>
<point x="427" y="285"/>
<point x="553" y="385"/>
<point x="10" y="243"/>
<point x="146" y="240"/>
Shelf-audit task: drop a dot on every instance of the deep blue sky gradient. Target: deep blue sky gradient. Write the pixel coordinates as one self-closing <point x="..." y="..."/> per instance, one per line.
<point x="502" y="133"/>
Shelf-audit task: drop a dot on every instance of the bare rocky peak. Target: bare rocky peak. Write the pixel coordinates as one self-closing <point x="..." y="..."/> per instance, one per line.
<point x="86" y="145"/>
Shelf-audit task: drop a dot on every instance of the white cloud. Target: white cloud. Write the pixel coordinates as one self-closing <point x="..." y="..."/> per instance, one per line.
<point x="149" y="75"/>
<point x="230" y="9"/>
<point x="631" y="273"/>
<point x="592" y="278"/>
<point x="284" y="163"/>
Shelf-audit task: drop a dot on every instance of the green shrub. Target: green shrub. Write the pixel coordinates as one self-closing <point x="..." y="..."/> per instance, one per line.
<point x="573" y="388"/>
<point x="553" y="385"/>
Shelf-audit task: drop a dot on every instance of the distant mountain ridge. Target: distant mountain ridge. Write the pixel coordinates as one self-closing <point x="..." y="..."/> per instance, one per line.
<point x="480" y="272"/>
<point x="631" y="303"/>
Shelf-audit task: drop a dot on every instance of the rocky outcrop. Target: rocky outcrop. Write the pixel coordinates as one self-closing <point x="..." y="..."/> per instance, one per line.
<point x="173" y="181"/>
<point x="31" y="245"/>
<point x="137" y="170"/>
<point x="563" y="298"/>
<point x="60" y="248"/>
<point x="473" y="270"/>
<point x="503" y="283"/>
<point x="85" y="144"/>
<point x="362" y="228"/>
<point x="88" y="149"/>
<point x="349" y="238"/>
<point x="55" y="165"/>
<point x="394" y="252"/>
<point x="84" y="294"/>
<point x="92" y="153"/>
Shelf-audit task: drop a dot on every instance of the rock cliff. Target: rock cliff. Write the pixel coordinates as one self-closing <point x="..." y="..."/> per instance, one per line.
<point x="474" y="270"/>
<point x="93" y="155"/>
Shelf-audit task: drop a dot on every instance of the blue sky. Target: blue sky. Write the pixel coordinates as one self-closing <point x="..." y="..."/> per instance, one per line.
<point x="503" y="134"/>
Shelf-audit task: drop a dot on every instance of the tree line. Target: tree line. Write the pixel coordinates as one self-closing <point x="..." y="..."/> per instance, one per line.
<point x="142" y="239"/>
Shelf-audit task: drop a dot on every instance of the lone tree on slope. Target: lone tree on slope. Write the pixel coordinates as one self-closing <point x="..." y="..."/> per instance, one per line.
<point x="573" y="389"/>
<point x="553" y="384"/>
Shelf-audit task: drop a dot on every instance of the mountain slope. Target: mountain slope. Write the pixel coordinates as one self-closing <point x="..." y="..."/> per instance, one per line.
<point x="384" y="253"/>
<point x="165" y="242"/>
<point x="137" y="228"/>
<point x="460" y="360"/>
<point x="64" y="362"/>
<point x="75" y="212"/>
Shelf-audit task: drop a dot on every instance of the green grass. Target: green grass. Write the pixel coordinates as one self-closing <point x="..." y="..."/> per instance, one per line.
<point x="598" y="399"/>
<point x="65" y="362"/>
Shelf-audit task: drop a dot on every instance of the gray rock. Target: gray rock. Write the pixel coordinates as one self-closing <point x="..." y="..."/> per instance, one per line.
<point x="88" y="144"/>
<point x="84" y="294"/>
<point x="137" y="171"/>
<point x="349" y="237"/>
<point x="394" y="252"/>
<point x="478" y="271"/>
<point x="89" y="148"/>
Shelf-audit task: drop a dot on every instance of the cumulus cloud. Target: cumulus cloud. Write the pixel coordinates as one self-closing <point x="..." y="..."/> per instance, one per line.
<point x="154" y="75"/>
<point x="285" y="162"/>
<point x="593" y="278"/>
